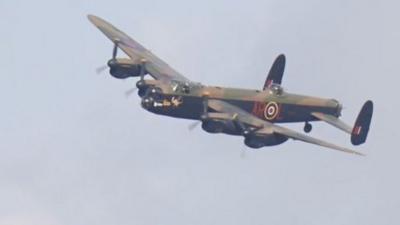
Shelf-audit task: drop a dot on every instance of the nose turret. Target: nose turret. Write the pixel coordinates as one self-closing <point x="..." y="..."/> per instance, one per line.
<point x="147" y="102"/>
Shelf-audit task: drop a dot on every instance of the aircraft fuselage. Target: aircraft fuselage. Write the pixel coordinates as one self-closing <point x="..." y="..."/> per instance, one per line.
<point x="275" y="106"/>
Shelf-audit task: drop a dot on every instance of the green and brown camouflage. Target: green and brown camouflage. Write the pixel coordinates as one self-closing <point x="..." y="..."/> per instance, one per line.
<point x="235" y="111"/>
<point x="253" y="101"/>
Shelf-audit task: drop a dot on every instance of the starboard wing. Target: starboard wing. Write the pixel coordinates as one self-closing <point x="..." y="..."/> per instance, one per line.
<point x="268" y="128"/>
<point x="157" y="68"/>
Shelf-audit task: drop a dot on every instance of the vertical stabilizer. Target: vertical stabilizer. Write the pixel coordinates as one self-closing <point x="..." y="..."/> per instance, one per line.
<point x="276" y="72"/>
<point x="361" y="127"/>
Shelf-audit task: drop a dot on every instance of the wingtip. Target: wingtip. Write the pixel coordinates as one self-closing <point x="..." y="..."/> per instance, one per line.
<point x="351" y="151"/>
<point x="90" y="16"/>
<point x="94" y="19"/>
<point x="359" y="154"/>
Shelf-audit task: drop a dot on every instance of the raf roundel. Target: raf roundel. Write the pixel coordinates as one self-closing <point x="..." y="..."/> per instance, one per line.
<point x="271" y="111"/>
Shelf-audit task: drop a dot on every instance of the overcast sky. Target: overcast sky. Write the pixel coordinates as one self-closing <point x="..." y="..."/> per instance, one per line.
<point x="75" y="151"/>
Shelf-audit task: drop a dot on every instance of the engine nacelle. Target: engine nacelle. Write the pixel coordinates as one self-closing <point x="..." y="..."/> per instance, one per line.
<point x="124" y="68"/>
<point x="258" y="141"/>
<point x="219" y="126"/>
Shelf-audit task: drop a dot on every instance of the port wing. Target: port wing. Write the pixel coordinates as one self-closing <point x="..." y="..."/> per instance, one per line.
<point x="157" y="68"/>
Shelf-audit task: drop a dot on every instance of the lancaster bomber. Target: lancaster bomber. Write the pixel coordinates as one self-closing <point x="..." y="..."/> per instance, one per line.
<point x="252" y="114"/>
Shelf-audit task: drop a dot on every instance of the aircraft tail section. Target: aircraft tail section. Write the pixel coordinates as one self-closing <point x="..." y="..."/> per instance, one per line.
<point x="360" y="130"/>
<point x="276" y="72"/>
<point x="362" y="124"/>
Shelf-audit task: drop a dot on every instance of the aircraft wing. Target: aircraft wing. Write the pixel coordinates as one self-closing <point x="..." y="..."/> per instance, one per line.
<point x="157" y="68"/>
<point x="264" y="127"/>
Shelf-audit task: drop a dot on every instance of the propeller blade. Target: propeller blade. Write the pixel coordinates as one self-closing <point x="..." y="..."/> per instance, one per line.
<point x="130" y="91"/>
<point x="101" y="69"/>
<point x="143" y="70"/>
<point x="243" y="154"/>
<point x="115" y="51"/>
<point x="194" y="125"/>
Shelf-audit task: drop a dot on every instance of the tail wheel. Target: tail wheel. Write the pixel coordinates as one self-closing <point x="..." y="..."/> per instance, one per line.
<point x="307" y="127"/>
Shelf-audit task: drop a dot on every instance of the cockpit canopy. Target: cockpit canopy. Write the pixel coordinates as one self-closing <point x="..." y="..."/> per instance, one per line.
<point x="276" y="89"/>
<point x="181" y="87"/>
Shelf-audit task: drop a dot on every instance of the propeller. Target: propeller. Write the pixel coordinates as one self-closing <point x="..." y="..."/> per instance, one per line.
<point x="101" y="69"/>
<point x="243" y="154"/>
<point x="115" y="50"/>
<point x="193" y="125"/>
<point x="130" y="91"/>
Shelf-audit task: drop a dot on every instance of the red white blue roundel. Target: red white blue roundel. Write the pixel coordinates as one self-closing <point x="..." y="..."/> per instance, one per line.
<point x="271" y="110"/>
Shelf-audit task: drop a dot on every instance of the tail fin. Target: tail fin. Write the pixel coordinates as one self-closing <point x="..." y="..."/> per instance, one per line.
<point x="276" y="72"/>
<point x="361" y="127"/>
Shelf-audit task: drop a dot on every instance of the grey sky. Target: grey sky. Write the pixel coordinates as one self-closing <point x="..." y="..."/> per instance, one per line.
<point x="75" y="151"/>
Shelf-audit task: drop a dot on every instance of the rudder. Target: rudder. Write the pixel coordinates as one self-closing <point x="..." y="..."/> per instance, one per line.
<point x="362" y="124"/>
<point x="276" y="72"/>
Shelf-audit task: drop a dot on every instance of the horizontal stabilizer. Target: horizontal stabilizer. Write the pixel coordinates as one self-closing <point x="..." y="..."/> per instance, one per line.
<point x="276" y="72"/>
<point x="334" y="121"/>
<point x="361" y="127"/>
